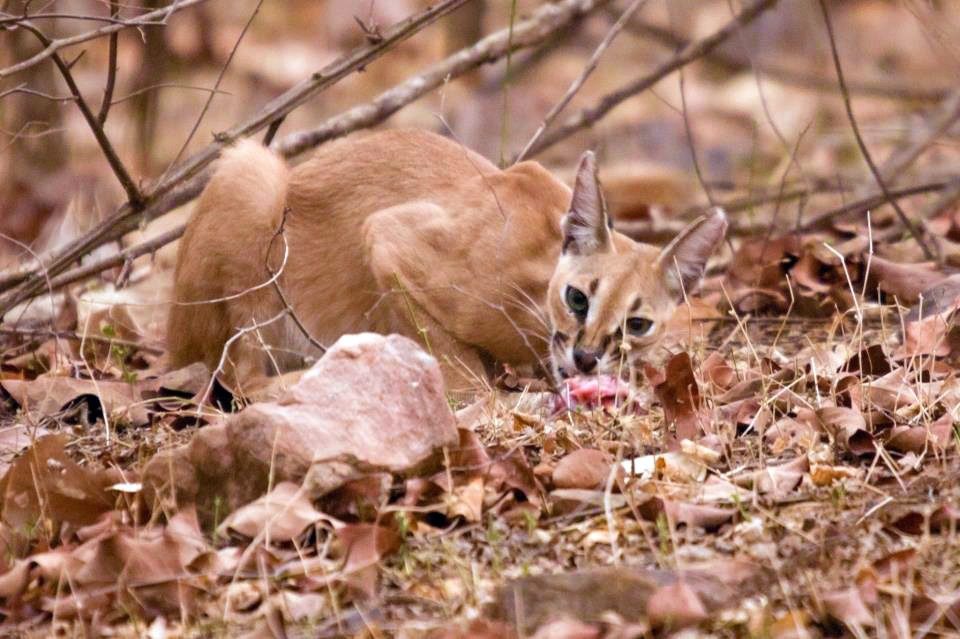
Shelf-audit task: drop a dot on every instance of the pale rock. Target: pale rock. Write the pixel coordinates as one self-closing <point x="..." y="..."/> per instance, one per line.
<point x="370" y="404"/>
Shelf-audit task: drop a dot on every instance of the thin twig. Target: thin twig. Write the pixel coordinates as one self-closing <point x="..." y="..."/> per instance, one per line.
<point x="538" y="28"/>
<point x="158" y="16"/>
<point x="118" y="259"/>
<point x="691" y="142"/>
<point x="166" y="85"/>
<point x="280" y="233"/>
<point x="940" y="122"/>
<point x="589" y="116"/>
<point x="134" y="196"/>
<point x="579" y="81"/>
<point x="872" y="201"/>
<point x="216" y="87"/>
<point x="188" y="180"/>
<point x="111" y="68"/>
<point x="46" y="333"/>
<point x="272" y="131"/>
<point x="722" y="59"/>
<point x="24" y="89"/>
<point x="845" y="93"/>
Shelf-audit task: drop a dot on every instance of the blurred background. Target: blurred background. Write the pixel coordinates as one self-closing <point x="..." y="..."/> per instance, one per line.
<point x="760" y="114"/>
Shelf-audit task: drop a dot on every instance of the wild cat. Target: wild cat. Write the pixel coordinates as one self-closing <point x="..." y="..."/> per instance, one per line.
<point x="405" y="231"/>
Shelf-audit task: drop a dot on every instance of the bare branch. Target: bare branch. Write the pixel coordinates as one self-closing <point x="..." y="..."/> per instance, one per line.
<point x="123" y="176"/>
<point x="845" y="93"/>
<point x="944" y="117"/>
<point x="185" y="184"/>
<point x="531" y="32"/>
<point x="579" y="81"/>
<point x="806" y="80"/>
<point x="188" y="181"/>
<point x="158" y="16"/>
<point x="872" y="201"/>
<point x="587" y="117"/>
<point x="216" y="86"/>
<point x="167" y="85"/>
<point x="111" y="68"/>
<point x="23" y="88"/>
<point x="122" y="258"/>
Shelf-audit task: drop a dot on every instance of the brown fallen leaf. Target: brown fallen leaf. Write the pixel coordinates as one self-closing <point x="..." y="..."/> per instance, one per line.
<point x="279" y="516"/>
<point x="718" y="372"/>
<point x="917" y="520"/>
<point x="679" y="395"/>
<point x="359" y="498"/>
<point x="15" y="439"/>
<point x="466" y="500"/>
<point x="847" y="606"/>
<point x="848" y="428"/>
<point x="871" y="360"/>
<point x="46" y="396"/>
<point x="763" y="262"/>
<point x="586" y="468"/>
<point x="938" y="299"/>
<point x="920" y="439"/>
<point x="906" y="282"/>
<point x="675" y="605"/>
<point x="777" y="481"/>
<point x="567" y="628"/>
<point x="511" y="470"/>
<point x="929" y="336"/>
<point x="362" y="547"/>
<point x="45" y="486"/>
<point x="702" y="516"/>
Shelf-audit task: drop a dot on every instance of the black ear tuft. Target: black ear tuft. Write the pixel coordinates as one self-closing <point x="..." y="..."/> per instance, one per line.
<point x="586" y="227"/>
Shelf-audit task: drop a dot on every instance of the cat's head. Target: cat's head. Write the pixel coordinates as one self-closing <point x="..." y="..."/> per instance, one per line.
<point x="610" y="297"/>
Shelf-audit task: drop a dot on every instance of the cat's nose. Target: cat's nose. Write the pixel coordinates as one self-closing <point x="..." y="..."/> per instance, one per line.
<point x="585" y="360"/>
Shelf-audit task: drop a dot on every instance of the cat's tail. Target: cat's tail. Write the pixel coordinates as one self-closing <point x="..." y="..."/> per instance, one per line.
<point x="222" y="263"/>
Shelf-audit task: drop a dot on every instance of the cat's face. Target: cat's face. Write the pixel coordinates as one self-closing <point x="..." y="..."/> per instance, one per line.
<point x="610" y="297"/>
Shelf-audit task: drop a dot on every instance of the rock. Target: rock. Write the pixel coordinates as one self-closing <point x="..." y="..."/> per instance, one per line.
<point x="586" y="468"/>
<point x="634" y="593"/>
<point x="371" y="404"/>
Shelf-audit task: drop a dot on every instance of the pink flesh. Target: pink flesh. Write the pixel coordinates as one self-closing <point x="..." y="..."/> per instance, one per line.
<point x="600" y="390"/>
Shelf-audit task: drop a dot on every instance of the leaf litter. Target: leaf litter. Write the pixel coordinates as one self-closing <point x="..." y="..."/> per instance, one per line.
<point x="788" y="468"/>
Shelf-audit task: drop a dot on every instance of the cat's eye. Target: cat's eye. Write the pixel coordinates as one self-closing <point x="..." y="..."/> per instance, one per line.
<point x="640" y="326"/>
<point x="577" y="301"/>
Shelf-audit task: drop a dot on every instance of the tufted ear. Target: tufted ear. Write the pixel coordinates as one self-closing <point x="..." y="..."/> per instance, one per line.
<point x="586" y="228"/>
<point x="684" y="261"/>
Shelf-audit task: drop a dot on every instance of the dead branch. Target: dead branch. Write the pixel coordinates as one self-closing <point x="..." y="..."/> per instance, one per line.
<point x="873" y="201"/>
<point x="111" y="68"/>
<point x="540" y="27"/>
<point x="160" y="16"/>
<point x="579" y="81"/>
<point x="533" y="31"/>
<point x="695" y="50"/>
<point x="940" y="121"/>
<point x="845" y="93"/>
<point x="123" y="258"/>
<point x="179" y="188"/>
<point x="216" y="85"/>
<point x="34" y="335"/>
<point x="134" y="196"/>
<point x="732" y="63"/>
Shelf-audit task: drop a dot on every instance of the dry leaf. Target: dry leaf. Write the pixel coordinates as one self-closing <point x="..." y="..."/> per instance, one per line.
<point x="586" y="468"/>
<point x="679" y="395"/>
<point x="279" y="516"/>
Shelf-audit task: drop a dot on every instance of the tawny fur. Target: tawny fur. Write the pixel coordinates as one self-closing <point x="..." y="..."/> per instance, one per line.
<point x="395" y="232"/>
